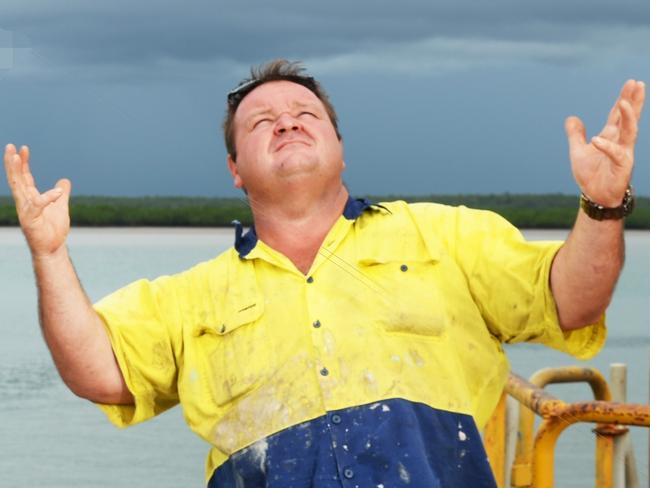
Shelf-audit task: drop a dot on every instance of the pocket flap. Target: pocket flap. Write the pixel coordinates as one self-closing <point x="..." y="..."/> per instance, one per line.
<point x="241" y="313"/>
<point x="395" y="240"/>
<point x="397" y="250"/>
<point x="237" y="298"/>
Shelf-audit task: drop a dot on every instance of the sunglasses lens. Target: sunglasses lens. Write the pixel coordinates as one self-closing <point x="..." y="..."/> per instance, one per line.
<point x="236" y="95"/>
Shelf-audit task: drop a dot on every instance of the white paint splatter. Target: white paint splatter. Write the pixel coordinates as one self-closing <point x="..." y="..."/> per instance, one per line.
<point x="417" y="359"/>
<point x="256" y="454"/>
<point x="380" y="485"/>
<point x="385" y="408"/>
<point x="194" y="375"/>
<point x="345" y="447"/>
<point x="329" y="342"/>
<point x="370" y="382"/>
<point x="403" y="473"/>
<point x="395" y="359"/>
<point x="374" y="405"/>
<point x="462" y="436"/>
<point x="368" y="445"/>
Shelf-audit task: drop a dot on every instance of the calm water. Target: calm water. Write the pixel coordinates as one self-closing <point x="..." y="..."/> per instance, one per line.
<point x="49" y="438"/>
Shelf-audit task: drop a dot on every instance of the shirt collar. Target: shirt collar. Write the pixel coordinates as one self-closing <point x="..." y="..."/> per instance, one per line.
<point x="354" y="207"/>
<point x="245" y="243"/>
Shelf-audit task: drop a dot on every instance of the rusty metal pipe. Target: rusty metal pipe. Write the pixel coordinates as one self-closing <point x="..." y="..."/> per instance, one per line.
<point x="574" y="374"/>
<point x="535" y="460"/>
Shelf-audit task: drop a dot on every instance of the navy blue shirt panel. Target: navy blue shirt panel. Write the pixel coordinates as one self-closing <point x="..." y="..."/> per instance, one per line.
<point x="391" y="443"/>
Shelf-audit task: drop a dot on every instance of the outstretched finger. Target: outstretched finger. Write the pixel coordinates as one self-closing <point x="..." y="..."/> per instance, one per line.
<point x="614" y="151"/>
<point x="614" y="116"/>
<point x="610" y="131"/>
<point x="638" y="99"/>
<point x="28" y="179"/>
<point x="10" y="152"/>
<point x="12" y="165"/>
<point x="65" y="186"/>
<point x="50" y="196"/>
<point x="575" y="132"/>
<point x="33" y="205"/>
<point x="629" y="125"/>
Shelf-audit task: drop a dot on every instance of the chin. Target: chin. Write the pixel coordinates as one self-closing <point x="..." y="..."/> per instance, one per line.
<point x="296" y="165"/>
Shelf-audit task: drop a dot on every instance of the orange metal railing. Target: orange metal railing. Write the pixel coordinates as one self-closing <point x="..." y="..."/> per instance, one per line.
<point x="533" y="465"/>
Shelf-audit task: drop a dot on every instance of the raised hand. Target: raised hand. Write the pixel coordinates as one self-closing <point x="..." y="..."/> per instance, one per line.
<point x="603" y="167"/>
<point x="44" y="217"/>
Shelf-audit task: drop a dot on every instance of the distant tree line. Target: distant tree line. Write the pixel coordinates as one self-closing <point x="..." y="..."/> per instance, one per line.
<point x="523" y="210"/>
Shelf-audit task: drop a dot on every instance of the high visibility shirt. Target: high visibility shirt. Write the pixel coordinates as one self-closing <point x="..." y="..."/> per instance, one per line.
<point x="376" y="368"/>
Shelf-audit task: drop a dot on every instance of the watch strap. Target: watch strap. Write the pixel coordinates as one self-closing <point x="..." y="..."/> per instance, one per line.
<point x="600" y="212"/>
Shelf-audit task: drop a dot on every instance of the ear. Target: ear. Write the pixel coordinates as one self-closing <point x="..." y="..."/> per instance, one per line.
<point x="232" y="167"/>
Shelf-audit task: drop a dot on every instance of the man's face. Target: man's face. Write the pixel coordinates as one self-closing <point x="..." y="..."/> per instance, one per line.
<point x="283" y="137"/>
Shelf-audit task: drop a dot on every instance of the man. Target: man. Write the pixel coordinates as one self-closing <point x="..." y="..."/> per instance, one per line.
<point x="339" y="343"/>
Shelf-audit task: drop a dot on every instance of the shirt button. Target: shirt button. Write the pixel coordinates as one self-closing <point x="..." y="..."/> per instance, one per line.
<point x="310" y="279"/>
<point x="404" y="267"/>
<point x="336" y="419"/>
<point x="324" y="372"/>
<point x="348" y="473"/>
<point x="316" y="324"/>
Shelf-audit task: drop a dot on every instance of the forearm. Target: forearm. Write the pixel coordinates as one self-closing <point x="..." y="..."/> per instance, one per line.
<point x="75" y="334"/>
<point x="585" y="270"/>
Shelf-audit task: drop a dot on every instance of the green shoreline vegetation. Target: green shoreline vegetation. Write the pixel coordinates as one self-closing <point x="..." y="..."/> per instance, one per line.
<point x="532" y="211"/>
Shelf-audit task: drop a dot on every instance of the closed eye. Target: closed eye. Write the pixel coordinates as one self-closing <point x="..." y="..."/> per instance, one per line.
<point x="261" y="121"/>
<point x="307" y="113"/>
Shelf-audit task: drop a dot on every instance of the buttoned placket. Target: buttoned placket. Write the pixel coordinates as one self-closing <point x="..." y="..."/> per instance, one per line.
<point x="327" y="374"/>
<point x="339" y="425"/>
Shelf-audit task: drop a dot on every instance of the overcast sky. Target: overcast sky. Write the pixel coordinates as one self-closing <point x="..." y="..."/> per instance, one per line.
<point x="126" y="98"/>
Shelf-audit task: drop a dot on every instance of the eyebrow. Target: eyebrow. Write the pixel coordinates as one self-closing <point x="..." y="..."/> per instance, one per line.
<point x="267" y="110"/>
<point x="257" y="113"/>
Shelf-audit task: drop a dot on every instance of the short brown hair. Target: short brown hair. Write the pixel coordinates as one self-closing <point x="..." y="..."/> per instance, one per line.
<point x="275" y="70"/>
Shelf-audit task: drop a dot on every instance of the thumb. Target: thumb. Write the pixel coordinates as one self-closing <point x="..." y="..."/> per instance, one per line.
<point x="575" y="131"/>
<point x="65" y="185"/>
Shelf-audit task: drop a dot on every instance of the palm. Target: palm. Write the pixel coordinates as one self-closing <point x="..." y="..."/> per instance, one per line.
<point x="44" y="217"/>
<point x="48" y="230"/>
<point x="594" y="170"/>
<point x="603" y="167"/>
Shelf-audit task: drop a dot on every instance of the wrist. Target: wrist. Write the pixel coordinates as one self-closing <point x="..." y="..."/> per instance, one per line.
<point x="46" y="257"/>
<point x="598" y="211"/>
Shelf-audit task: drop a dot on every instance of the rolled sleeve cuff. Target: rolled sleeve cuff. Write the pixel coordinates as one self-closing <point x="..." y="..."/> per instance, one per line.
<point x="583" y="343"/>
<point x="143" y="407"/>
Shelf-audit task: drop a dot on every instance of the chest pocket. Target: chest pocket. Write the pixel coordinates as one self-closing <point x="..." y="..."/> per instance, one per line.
<point x="231" y="365"/>
<point x="407" y="276"/>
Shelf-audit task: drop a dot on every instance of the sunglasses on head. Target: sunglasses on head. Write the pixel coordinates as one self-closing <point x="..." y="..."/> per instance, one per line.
<point x="236" y="95"/>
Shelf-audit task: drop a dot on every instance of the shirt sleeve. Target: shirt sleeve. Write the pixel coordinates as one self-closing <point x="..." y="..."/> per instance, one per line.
<point x="509" y="279"/>
<point x="143" y="324"/>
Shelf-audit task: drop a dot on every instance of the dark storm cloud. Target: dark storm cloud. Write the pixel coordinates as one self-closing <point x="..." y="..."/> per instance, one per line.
<point x="336" y="34"/>
<point x="147" y="78"/>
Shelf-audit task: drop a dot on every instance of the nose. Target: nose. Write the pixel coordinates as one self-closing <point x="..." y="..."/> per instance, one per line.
<point x="286" y="123"/>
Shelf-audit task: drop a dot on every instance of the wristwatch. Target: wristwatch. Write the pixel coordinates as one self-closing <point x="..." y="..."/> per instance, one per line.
<point x="599" y="212"/>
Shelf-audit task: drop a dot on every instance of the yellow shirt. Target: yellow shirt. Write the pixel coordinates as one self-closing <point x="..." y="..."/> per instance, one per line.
<point x="402" y="301"/>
